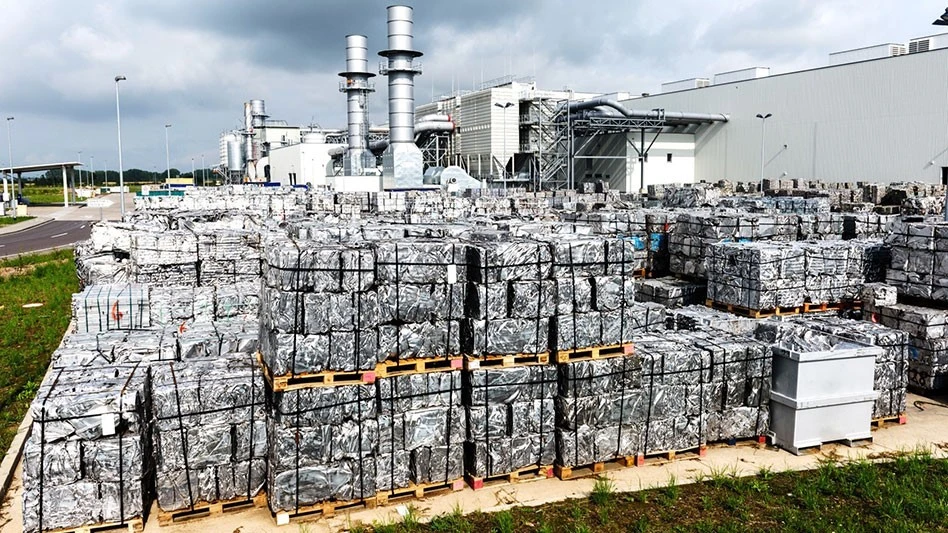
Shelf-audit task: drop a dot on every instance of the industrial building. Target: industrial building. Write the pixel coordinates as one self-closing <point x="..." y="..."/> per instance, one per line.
<point x="839" y="122"/>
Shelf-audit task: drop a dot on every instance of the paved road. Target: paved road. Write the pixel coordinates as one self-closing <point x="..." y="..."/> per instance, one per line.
<point x="48" y="235"/>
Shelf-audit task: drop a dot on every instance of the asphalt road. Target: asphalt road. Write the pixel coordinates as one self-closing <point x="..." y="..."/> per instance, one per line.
<point x="47" y="235"/>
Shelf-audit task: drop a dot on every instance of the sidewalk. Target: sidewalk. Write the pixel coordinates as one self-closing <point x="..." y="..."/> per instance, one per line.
<point x="26" y="224"/>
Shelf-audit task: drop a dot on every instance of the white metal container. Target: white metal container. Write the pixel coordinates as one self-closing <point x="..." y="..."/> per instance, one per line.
<point x="822" y="396"/>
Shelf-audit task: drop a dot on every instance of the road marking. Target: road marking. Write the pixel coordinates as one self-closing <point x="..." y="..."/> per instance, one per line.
<point x="2" y="245"/>
<point x="59" y="235"/>
<point x="82" y="226"/>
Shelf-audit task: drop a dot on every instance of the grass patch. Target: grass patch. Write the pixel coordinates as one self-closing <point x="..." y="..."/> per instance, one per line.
<point x="29" y="336"/>
<point x="9" y="221"/>
<point x="908" y="494"/>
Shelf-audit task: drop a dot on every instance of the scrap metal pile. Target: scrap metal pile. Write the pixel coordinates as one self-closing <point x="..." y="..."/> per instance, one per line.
<point x="335" y="347"/>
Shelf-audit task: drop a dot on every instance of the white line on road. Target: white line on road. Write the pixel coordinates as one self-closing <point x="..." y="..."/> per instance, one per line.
<point x="82" y="226"/>
<point x="2" y="245"/>
<point x="59" y="235"/>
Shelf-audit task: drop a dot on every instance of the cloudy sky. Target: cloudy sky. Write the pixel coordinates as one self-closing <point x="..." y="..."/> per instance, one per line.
<point x="192" y="63"/>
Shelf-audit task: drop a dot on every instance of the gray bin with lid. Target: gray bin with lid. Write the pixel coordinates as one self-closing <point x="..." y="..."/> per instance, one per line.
<point x="822" y="391"/>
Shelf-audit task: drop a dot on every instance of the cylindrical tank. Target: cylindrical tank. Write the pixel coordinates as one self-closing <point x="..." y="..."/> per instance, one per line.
<point x="235" y="155"/>
<point x="248" y="117"/>
<point x="258" y="108"/>
<point x="401" y="75"/>
<point x="357" y="53"/>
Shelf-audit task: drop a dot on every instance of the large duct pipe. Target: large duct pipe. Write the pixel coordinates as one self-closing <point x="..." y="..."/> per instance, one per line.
<point x="258" y="112"/>
<point x="643" y="114"/>
<point x="357" y="89"/>
<point x="402" y="160"/>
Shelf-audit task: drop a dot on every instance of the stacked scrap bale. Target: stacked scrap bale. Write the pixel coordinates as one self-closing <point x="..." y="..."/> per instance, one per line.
<point x="927" y="331"/>
<point x="87" y="460"/>
<point x="107" y="307"/>
<point x="164" y="258"/>
<point x="696" y="232"/>
<point x="919" y="264"/>
<point x="764" y="276"/>
<point x="318" y="312"/>
<point x="210" y="433"/>
<point x="421" y="292"/>
<point x="671" y="292"/>
<point x="510" y="296"/>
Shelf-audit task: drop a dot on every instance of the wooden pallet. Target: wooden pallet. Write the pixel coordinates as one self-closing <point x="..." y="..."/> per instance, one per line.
<point x="389" y="369"/>
<point x="418" y="492"/>
<point x="134" y="525"/>
<point x="205" y="509"/>
<point x="595" y="352"/>
<point x="824" y="307"/>
<point x="322" y="509"/>
<point x="528" y="473"/>
<point x="899" y="420"/>
<point x="753" y="313"/>
<point x="758" y="442"/>
<point x="506" y="361"/>
<point x="310" y="380"/>
<point x="639" y="273"/>
<point x="695" y="452"/>
<point x="331" y="508"/>
<point x="592" y="469"/>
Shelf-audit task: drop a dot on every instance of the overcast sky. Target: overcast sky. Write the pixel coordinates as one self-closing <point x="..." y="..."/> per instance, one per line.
<point x="192" y="63"/>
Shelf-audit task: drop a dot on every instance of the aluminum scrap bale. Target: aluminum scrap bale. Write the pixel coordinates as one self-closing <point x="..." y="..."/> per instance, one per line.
<point x="323" y="445"/>
<point x="671" y="292"/>
<point x="422" y="425"/>
<point x="510" y="419"/>
<point x="421" y="261"/>
<point x="87" y="459"/>
<point x="601" y="410"/>
<point x="305" y="266"/>
<point x="755" y="275"/>
<point x="491" y="260"/>
<point x="106" y="307"/>
<point x="175" y="305"/>
<point x="209" y="431"/>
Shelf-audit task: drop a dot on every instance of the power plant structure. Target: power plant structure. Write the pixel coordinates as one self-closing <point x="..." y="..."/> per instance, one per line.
<point x="744" y="125"/>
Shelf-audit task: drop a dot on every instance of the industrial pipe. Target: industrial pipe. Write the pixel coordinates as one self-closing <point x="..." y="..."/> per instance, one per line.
<point x="643" y="114"/>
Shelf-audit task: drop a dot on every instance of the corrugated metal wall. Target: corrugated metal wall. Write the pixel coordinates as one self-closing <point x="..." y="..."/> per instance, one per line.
<point x="881" y="120"/>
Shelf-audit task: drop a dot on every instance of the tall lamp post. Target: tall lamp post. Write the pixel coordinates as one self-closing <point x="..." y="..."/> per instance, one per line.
<point x="92" y="178"/>
<point x="763" y="120"/>
<point x="118" y="124"/>
<point x="943" y="21"/>
<point x="79" y="153"/>
<point x="167" y="153"/>
<point x="193" y="181"/>
<point x="19" y="185"/>
<point x="505" y="106"/>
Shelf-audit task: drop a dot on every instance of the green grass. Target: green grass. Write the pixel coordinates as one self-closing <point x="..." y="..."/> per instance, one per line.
<point x="909" y="494"/>
<point x="29" y="336"/>
<point x="38" y="195"/>
<point x="8" y="221"/>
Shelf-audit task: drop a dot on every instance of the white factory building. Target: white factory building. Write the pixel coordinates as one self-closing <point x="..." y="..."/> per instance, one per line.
<point x="873" y="114"/>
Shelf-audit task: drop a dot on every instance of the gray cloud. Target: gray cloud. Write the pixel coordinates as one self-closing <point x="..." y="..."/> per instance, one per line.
<point x="194" y="63"/>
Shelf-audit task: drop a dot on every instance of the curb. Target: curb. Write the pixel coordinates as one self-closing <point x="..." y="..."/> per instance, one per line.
<point x="25" y="225"/>
<point x="41" y="251"/>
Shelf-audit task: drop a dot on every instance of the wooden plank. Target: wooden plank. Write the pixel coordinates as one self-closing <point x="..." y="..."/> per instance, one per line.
<point x="418" y="366"/>
<point x="882" y="422"/>
<point x="506" y="361"/>
<point x="134" y="525"/>
<point x="592" y="469"/>
<point x="594" y="352"/>
<point x="206" y="509"/>
<point x="309" y="380"/>
<point x="528" y="473"/>
<point x="671" y="455"/>
<point x="419" y="491"/>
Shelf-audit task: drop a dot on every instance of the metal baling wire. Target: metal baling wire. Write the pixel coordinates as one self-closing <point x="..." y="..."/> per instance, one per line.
<point x="183" y="436"/>
<point x="572" y="375"/>
<point x="540" y="298"/>
<point x="42" y="471"/>
<point x="253" y="397"/>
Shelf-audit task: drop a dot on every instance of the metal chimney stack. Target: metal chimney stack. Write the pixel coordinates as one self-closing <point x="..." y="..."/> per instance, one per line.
<point x="402" y="164"/>
<point x="357" y="89"/>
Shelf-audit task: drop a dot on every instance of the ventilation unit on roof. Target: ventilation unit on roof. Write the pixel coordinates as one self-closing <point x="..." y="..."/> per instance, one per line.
<point x="920" y="45"/>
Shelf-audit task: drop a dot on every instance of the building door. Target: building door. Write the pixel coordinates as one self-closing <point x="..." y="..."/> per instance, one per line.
<point x="944" y="175"/>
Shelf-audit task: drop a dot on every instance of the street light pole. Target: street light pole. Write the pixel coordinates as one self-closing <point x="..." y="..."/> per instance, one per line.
<point x="118" y="124"/>
<point x="763" y="120"/>
<point x="92" y="168"/>
<point x="167" y="154"/>
<point x="80" y="168"/>
<point x="19" y="185"/>
<point x="193" y="181"/>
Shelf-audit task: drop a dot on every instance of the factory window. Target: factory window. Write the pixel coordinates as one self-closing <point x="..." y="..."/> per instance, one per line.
<point x="668" y="158"/>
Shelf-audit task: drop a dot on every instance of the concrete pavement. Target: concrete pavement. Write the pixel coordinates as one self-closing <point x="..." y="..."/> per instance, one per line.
<point x="57" y="227"/>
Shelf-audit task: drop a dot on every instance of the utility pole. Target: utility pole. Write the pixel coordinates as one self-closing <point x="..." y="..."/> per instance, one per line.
<point x="763" y="121"/>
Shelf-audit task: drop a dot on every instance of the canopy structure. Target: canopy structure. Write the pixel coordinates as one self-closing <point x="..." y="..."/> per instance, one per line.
<point x="21" y="169"/>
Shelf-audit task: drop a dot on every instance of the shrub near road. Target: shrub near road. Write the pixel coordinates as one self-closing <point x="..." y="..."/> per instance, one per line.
<point x="29" y="335"/>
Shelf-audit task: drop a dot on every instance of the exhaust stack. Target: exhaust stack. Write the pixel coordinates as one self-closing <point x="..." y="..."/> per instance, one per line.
<point x="402" y="165"/>
<point x="357" y="89"/>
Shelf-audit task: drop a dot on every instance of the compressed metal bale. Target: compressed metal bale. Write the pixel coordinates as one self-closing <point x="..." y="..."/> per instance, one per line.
<point x="420" y="261"/>
<point x="510" y="260"/>
<point x="506" y="336"/>
<point x="421" y="302"/>
<point x="424" y="340"/>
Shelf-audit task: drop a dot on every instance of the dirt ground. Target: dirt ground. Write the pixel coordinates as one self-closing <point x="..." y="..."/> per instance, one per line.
<point x="926" y="429"/>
